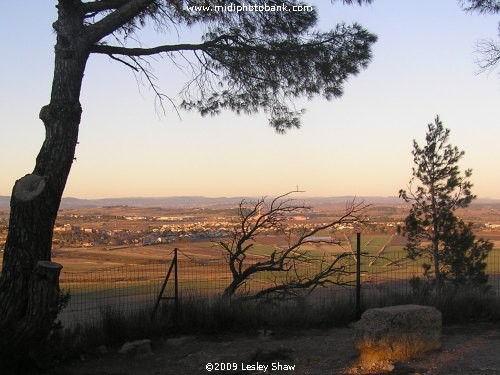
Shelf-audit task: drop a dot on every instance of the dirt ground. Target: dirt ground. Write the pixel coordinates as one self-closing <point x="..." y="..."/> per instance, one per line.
<point x="468" y="350"/>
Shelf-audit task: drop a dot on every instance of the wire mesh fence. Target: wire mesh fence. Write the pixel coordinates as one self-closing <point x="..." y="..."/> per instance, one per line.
<point x="126" y="289"/>
<point x="131" y="288"/>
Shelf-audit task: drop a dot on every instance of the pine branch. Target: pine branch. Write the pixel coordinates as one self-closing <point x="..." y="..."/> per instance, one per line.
<point x="113" y="21"/>
<point x="96" y="7"/>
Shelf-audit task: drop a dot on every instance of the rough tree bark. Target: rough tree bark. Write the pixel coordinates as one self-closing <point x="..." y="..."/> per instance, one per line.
<point x="29" y="285"/>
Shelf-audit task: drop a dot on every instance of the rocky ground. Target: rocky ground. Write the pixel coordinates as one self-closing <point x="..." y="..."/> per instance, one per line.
<point x="468" y="350"/>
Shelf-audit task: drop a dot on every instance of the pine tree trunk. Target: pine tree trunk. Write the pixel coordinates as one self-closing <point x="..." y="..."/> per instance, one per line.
<point x="435" y="238"/>
<point x="29" y="284"/>
<point x="437" y="272"/>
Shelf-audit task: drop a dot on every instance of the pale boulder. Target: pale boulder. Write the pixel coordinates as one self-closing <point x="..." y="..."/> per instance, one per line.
<point x="397" y="332"/>
<point x="136" y="347"/>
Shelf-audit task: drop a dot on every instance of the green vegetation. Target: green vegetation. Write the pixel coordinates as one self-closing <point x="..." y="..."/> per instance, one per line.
<point x="262" y="250"/>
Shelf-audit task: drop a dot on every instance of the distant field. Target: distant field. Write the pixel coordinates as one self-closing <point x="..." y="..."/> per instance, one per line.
<point x="127" y="278"/>
<point x="380" y="249"/>
<point x="203" y="273"/>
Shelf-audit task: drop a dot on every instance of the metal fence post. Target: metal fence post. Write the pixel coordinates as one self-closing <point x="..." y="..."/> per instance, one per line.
<point x="358" y="275"/>
<point x="173" y="265"/>
<point x="176" y="285"/>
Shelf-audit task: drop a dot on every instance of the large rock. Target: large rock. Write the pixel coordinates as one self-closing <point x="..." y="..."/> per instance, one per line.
<point x="397" y="332"/>
<point x="136" y="347"/>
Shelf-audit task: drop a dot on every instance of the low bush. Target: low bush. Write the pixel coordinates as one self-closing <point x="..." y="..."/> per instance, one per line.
<point x="457" y="304"/>
<point x="198" y="316"/>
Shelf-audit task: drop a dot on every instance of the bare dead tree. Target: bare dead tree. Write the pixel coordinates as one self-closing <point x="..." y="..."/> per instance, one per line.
<point x="489" y="54"/>
<point x="488" y="50"/>
<point x="284" y="266"/>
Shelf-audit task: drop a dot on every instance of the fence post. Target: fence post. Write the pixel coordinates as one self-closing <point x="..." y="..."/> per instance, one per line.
<point x="173" y="265"/>
<point x="358" y="275"/>
<point x="176" y="285"/>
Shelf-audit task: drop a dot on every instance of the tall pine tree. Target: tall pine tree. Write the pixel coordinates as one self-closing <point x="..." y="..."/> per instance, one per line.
<point x="436" y="190"/>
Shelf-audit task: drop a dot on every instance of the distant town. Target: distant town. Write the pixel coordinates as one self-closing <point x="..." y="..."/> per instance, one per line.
<point x="124" y="225"/>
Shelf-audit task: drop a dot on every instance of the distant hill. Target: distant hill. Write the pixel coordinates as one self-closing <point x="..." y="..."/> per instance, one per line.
<point x="4" y="202"/>
<point x="173" y="202"/>
<point x="199" y="201"/>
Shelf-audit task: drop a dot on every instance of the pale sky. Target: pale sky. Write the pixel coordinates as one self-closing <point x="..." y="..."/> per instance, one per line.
<point x="359" y="145"/>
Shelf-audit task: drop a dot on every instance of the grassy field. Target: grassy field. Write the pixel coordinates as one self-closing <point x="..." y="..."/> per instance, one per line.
<point x="202" y="264"/>
<point x="126" y="278"/>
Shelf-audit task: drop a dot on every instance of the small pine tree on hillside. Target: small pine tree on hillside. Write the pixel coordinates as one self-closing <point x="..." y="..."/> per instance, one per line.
<point x="436" y="190"/>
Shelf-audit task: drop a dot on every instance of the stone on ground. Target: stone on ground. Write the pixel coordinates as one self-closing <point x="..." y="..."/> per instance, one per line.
<point x="136" y="347"/>
<point x="397" y="332"/>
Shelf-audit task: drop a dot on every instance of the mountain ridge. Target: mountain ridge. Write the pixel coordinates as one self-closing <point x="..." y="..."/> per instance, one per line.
<point x="201" y="201"/>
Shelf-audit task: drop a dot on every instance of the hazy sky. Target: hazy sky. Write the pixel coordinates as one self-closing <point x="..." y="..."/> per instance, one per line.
<point x="423" y="65"/>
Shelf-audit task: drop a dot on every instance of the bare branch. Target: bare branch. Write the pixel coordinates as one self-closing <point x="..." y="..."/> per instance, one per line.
<point x="262" y="216"/>
<point x="489" y="53"/>
<point x="125" y="63"/>
<point x="334" y="273"/>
